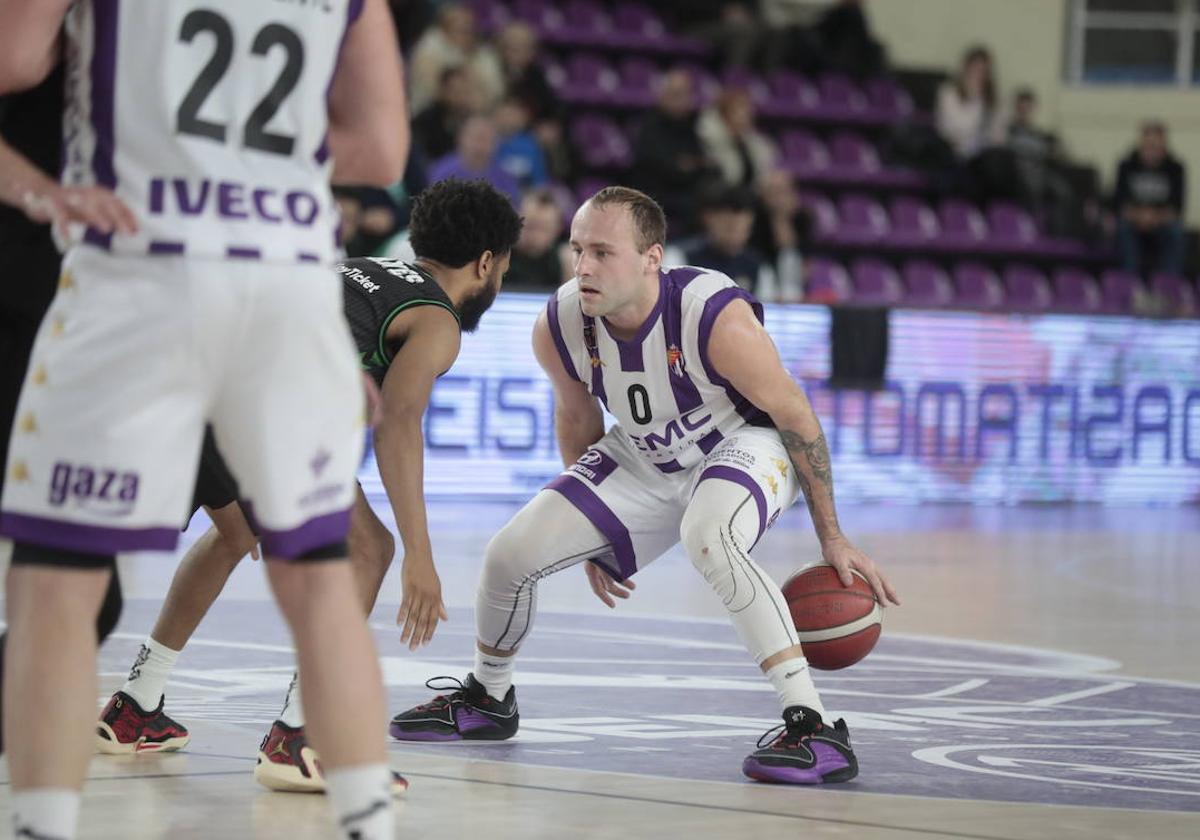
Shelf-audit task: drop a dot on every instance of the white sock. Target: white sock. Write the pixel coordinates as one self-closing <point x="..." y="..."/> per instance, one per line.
<point x="49" y="813"/>
<point x="494" y="673"/>
<point x="293" y="710"/>
<point x="362" y="801"/>
<point x="148" y="677"/>
<point x="794" y="686"/>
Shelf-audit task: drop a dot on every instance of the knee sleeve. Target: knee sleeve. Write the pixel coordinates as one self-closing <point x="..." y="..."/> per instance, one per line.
<point x="24" y="554"/>
<point x="717" y="531"/>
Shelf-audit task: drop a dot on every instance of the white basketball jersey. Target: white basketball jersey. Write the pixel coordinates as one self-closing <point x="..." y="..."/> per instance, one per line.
<point x="209" y="118"/>
<point x="660" y="385"/>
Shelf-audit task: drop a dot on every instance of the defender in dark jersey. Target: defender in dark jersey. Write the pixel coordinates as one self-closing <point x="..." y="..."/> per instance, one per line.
<point x="407" y="320"/>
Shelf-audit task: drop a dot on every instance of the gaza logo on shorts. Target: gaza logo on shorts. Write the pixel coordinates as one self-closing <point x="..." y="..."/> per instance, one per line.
<point x="107" y="491"/>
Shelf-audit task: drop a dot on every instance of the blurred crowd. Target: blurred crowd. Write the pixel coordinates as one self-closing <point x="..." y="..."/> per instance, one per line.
<point x="483" y="107"/>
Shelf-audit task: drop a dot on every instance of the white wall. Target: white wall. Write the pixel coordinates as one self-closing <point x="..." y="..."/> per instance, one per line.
<point x="1028" y="39"/>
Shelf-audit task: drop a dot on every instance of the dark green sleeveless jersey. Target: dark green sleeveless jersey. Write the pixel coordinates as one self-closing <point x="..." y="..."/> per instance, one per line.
<point x="376" y="290"/>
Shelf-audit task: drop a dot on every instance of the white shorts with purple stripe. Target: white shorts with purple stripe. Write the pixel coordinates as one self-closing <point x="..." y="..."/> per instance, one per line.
<point x="136" y="354"/>
<point x="638" y="508"/>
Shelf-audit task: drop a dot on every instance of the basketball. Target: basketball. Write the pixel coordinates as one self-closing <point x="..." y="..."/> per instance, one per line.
<point x="837" y="625"/>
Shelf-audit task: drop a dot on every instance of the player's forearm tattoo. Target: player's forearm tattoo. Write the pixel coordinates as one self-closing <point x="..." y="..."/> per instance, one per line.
<point x="814" y="455"/>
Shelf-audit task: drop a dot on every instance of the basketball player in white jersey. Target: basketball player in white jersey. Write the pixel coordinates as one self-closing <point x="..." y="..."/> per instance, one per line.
<point x="219" y="124"/>
<point x="714" y="438"/>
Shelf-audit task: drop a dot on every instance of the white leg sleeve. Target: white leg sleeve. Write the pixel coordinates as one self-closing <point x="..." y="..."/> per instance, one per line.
<point x="546" y="536"/>
<point x="720" y="525"/>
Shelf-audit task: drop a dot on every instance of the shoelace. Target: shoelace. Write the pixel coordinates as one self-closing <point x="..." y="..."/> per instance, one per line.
<point x="782" y="735"/>
<point x="442" y="700"/>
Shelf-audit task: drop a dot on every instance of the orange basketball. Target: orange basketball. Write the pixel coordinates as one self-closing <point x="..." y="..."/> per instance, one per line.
<point x="837" y="625"/>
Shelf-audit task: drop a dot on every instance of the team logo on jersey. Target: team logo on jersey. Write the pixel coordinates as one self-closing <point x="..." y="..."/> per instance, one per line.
<point x="675" y="360"/>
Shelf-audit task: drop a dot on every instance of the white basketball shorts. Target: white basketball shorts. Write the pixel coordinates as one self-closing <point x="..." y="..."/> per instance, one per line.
<point x="136" y="354"/>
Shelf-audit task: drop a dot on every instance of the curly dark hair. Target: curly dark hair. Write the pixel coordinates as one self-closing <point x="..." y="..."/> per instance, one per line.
<point x="455" y="221"/>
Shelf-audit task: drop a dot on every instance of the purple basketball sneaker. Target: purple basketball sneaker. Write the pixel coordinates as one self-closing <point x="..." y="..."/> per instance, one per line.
<point x="467" y="714"/>
<point x="806" y="752"/>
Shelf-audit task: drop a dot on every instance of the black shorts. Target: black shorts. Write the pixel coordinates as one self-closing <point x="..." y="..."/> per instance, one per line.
<point x="215" y="485"/>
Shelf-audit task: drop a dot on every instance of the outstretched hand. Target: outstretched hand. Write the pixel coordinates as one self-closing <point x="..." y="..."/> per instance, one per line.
<point x="843" y="556"/>
<point x="421" y="606"/>
<point x="605" y="587"/>
<point x="95" y="207"/>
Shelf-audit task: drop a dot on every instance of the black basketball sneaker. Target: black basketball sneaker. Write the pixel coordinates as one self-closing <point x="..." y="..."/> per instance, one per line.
<point x="468" y="713"/>
<point x="805" y="752"/>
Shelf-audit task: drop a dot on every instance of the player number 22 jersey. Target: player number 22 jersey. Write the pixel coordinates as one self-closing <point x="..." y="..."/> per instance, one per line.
<point x="209" y="118"/>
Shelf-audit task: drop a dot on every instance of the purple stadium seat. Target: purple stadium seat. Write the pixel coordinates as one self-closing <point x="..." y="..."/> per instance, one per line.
<point x="1012" y="228"/>
<point x="1117" y="288"/>
<point x="743" y="79"/>
<point x="1075" y="291"/>
<point x="824" y="214"/>
<point x="789" y="94"/>
<point x="826" y="281"/>
<point x="556" y="74"/>
<point x="887" y="100"/>
<point x="876" y="283"/>
<point x="490" y="15"/>
<point x="1027" y="289"/>
<point x="977" y="287"/>
<point x="600" y="143"/>
<point x="585" y="188"/>
<point x="638" y="26"/>
<point x="590" y="80"/>
<point x="963" y="226"/>
<point x="863" y="220"/>
<point x="840" y="97"/>
<point x="803" y="154"/>
<point x="1177" y="290"/>
<point x="579" y="23"/>
<point x="541" y="15"/>
<point x="928" y="285"/>
<point x="914" y="224"/>
<point x="638" y="82"/>
<point x="853" y="156"/>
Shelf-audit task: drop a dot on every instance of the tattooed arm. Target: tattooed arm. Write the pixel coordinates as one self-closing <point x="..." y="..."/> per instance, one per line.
<point x="742" y="352"/>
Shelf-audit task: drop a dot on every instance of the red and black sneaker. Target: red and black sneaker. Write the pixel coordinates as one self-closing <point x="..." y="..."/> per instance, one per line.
<point x="125" y="728"/>
<point x="807" y="751"/>
<point x="287" y="763"/>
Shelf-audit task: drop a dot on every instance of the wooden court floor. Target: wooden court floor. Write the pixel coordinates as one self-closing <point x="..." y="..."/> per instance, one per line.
<point x="1041" y="680"/>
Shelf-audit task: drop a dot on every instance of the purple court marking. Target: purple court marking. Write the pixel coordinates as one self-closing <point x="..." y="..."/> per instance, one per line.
<point x="928" y="717"/>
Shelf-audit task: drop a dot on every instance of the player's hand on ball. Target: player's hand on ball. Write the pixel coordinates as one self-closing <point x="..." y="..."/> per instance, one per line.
<point x="605" y="587"/>
<point x="843" y="556"/>
<point x="421" y="606"/>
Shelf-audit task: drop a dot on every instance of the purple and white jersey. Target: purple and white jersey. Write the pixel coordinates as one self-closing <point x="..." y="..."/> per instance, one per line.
<point x="660" y="385"/>
<point x="209" y="118"/>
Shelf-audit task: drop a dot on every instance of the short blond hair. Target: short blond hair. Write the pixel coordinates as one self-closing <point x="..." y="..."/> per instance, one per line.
<point x="649" y="220"/>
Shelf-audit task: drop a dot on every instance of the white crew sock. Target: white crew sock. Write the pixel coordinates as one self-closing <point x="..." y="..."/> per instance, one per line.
<point x="49" y="813"/>
<point x="362" y="801"/>
<point x="494" y="673"/>
<point x="794" y="686"/>
<point x="148" y="677"/>
<point x="293" y="710"/>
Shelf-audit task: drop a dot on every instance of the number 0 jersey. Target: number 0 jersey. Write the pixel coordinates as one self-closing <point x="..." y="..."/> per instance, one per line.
<point x="660" y="385"/>
<point x="210" y="120"/>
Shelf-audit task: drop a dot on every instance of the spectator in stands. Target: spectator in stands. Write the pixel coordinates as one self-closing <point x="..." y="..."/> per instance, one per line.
<point x="1149" y="200"/>
<point x="669" y="159"/>
<point x="475" y="157"/>
<point x="523" y="77"/>
<point x="518" y="152"/>
<point x="453" y="42"/>
<point x="847" y="44"/>
<point x="435" y="130"/>
<point x="727" y="217"/>
<point x="780" y="233"/>
<point x="1043" y="188"/>
<point x="741" y="152"/>
<point x="540" y="261"/>
<point x="967" y="108"/>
